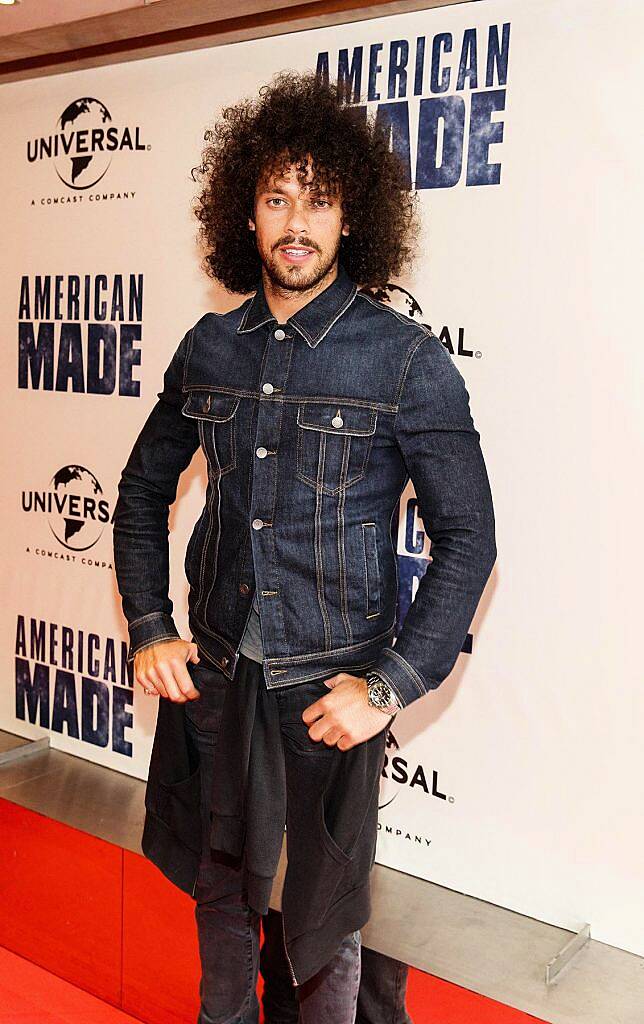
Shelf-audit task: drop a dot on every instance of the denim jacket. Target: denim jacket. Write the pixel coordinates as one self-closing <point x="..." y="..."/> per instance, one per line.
<point x="311" y="429"/>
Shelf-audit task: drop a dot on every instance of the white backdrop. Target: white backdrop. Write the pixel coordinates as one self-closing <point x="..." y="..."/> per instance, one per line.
<point x="519" y="781"/>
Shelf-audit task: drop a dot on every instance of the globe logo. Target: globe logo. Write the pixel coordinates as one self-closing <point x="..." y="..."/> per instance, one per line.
<point x="397" y="297"/>
<point x="82" y="160"/>
<point x="83" y="142"/>
<point x="77" y="513"/>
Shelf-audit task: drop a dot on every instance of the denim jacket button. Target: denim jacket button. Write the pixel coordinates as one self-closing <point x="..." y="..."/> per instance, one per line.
<point x="244" y="588"/>
<point x="261" y="452"/>
<point x="280" y="334"/>
<point x="268" y="389"/>
<point x="257" y="524"/>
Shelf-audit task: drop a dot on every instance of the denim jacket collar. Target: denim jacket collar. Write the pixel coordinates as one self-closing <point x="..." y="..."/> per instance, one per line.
<point x="315" y="319"/>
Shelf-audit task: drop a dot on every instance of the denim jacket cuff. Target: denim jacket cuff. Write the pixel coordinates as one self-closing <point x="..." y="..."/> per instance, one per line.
<point x="150" y="629"/>
<point x="401" y="676"/>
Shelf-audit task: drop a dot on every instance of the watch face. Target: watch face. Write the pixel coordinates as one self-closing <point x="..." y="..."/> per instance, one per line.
<point x="380" y="693"/>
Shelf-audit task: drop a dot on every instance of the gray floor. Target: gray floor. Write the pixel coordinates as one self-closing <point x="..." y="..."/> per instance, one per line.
<point x="478" y="945"/>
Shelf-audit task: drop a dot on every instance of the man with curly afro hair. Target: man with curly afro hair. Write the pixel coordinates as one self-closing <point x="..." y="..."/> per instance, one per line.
<point x="314" y="405"/>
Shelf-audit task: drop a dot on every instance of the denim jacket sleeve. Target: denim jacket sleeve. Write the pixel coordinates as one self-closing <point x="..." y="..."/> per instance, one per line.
<point x="440" y="447"/>
<point x="146" y="490"/>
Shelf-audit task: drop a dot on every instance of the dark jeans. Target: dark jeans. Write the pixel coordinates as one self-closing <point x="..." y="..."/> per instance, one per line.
<point x="229" y="930"/>
<point x="381" y="996"/>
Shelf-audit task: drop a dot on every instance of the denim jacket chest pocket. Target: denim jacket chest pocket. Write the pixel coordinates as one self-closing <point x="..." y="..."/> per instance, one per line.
<point x="215" y="412"/>
<point x="334" y="440"/>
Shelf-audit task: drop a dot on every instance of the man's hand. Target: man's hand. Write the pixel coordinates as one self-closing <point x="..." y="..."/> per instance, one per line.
<point x="344" y="716"/>
<point x="161" y="669"/>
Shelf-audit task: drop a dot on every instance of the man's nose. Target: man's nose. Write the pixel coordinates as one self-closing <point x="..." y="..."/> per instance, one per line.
<point x="297" y="222"/>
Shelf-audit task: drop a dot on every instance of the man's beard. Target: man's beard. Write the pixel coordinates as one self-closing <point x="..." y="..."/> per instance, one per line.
<point x="297" y="279"/>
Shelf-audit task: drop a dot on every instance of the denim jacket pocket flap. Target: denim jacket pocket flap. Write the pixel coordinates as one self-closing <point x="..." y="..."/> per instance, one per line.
<point x="337" y="418"/>
<point x="210" y="405"/>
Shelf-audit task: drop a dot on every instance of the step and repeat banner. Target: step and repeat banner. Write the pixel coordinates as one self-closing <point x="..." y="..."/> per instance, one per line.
<point x="520" y="780"/>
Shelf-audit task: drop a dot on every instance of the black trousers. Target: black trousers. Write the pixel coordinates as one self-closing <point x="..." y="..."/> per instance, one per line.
<point x="381" y="996"/>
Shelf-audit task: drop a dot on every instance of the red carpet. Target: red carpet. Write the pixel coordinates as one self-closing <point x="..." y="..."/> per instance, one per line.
<point x="30" y="995"/>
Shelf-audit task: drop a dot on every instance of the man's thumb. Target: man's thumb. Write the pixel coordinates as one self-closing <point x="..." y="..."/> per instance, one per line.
<point x="194" y="653"/>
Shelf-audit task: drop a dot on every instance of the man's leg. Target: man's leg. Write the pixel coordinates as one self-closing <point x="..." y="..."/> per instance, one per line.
<point x="336" y="983"/>
<point x="279" y="998"/>
<point x="331" y="995"/>
<point x="383" y="988"/>
<point x="330" y="838"/>
<point x="228" y="946"/>
<point x="381" y="996"/>
<point x="228" y="930"/>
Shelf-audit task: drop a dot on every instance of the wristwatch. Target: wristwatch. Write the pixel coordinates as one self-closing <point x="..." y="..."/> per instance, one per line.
<point x="380" y="694"/>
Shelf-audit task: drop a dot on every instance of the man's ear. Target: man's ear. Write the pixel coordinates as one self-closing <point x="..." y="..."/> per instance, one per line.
<point x="251" y="224"/>
<point x="345" y="229"/>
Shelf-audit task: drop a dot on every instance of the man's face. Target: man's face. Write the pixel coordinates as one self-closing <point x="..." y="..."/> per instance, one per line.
<point x="298" y="230"/>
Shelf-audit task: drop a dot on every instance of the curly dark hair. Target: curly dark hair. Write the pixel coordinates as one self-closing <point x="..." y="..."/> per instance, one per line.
<point x="296" y="116"/>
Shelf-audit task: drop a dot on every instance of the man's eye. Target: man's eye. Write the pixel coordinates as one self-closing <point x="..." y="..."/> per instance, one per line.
<point x="323" y="202"/>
